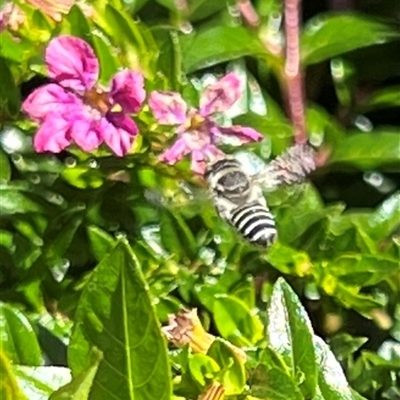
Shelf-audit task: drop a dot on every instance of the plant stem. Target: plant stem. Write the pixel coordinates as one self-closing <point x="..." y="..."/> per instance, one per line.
<point x="293" y="73"/>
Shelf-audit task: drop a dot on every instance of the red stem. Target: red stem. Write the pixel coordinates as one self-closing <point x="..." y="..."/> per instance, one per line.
<point x="293" y="73"/>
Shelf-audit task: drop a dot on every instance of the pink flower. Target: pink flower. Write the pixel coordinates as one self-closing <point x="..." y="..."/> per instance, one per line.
<point x="74" y="110"/>
<point x="197" y="131"/>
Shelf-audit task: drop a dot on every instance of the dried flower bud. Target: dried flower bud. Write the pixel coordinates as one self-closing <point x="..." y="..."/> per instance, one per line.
<point x="185" y="328"/>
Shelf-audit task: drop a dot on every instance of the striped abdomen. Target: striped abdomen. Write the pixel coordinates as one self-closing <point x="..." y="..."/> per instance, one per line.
<point x="255" y="223"/>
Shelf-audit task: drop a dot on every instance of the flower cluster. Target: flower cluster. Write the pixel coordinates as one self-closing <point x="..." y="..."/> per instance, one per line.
<point x="198" y="133"/>
<point x="74" y="109"/>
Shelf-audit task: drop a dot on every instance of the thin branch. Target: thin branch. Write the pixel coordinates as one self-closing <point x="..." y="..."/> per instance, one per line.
<point x="249" y="14"/>
<point x="293" y="73"/>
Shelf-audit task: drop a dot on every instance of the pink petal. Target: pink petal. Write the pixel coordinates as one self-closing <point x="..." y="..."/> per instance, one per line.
<point x="72" y="63"/>
<point x="221" y="95"/>
<point x="85" y="133"/>
<point x="175" y="153"/>
<point x="198" y="165"/>
<point x="168" y="107"/>
<point x="47" y="99"/>
<point x="127" y="89"/>
<point x="244" y="133"/>
<point x="52" y="135"/>
<point x="119" y="132"/>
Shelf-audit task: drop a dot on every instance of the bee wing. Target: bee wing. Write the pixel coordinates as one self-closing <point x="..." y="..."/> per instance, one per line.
<point x="185" y="196"/>
<point x="292" y="166"/>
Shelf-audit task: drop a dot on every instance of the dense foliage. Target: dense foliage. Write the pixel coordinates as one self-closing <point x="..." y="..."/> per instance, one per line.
<point x="101" y="247"/>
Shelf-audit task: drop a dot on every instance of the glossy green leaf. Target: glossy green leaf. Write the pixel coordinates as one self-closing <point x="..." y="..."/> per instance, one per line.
<point x="100" y="241"/>
<point x="345" y="345"/>
<point x="107" y="58"/>
<point x="273" y="383"/>
<point x="232" y="375"/>
<point x="11" y="50"/>
<point x="288" y="260"/>
<point x="115" y="314"/>
<point x="202" y="368"/>
<point x="60" y="240"/>
<point x="216" y="45"/>
<point x="384" y="98"/>
<point x="9" y="389"/>
<point x="245" y="292"/>
<point x="320" y="39"/>
<point x="169" y="60"/>
<point x="299" y="212"/>
<point x="363" y="269"/>
<point x="332" y="382"/>
<point x="321" y="127"/>
<point x="350" y="296"/>
<point x="9" y="94"/>
<point x="79" y="25"/>
<point x="290" y="334"/>
<point x="132" y="36"/>
<point x="80" y="386"/>
<point x="369" y="150"/>
<point x="18" y="339"/>
<point x="169" y="235"/>
<point x="236" y="322"/>
<point x="276" y="128"/>
<point x="41" y="382"/>
<point x="5" y="169"/>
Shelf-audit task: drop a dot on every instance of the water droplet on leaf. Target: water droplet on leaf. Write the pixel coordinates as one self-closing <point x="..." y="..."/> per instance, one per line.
<point x="70" y="162"/>
<point x="60" y="269"/>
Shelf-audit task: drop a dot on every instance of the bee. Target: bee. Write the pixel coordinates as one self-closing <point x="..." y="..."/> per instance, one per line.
<point x="238" y="196"/>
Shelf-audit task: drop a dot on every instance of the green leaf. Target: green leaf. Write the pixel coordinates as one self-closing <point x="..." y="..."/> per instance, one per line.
<point x="202" y="368"/>
<point x="9" y="94"/>
<point x="290" y="334"/>
<point x="384" y="98"/>
<point x="59" y="240"/>
<point x="79" y="388"/>
<point x="169" y="235"/>
<point x="5" y="169"/>
<point x="12" y="50"/>
<point x="245" y="292"/>
<point x="169" y="60"/>
<point x="288" y="260"/>
<point x="320" y="39"/>
<point x="18" y="339"/>
<point x="132" y="36"/>
<point x="215" y="45"/>
<point x="232" y="376"/>
<point x="299" y="212"/>
<point x="236" y="322"/>
<point x="79" y="25"/>
<point x="275" y="127"/>
<point x="107" y="58"/>
<point x="349" y="296"/>
<point x="332" y="382"/>
<point x="116" y="315"/>
<point x="9" y="389"/>
<point x="273" y="383"/>
<point x="321" y="127"/>
<point x="345" y="345"/>
<point x="41" y="382"/>
<point x="369" y="150"/>
<point x="101" y="242"/>
<point x="363" y="269"/>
